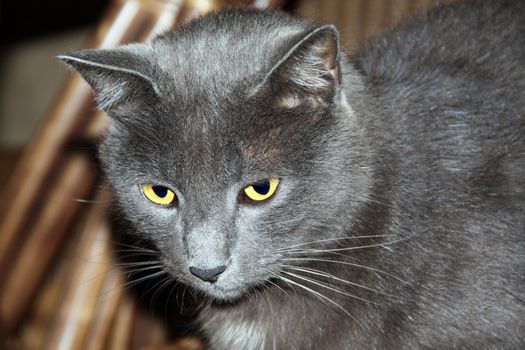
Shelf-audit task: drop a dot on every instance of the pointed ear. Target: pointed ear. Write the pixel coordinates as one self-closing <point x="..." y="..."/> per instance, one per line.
<point x="117" y="76"/>
<point x="309" y="72"/>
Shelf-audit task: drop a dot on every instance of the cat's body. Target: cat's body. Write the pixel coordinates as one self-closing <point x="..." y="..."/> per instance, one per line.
<point x="407" y="163"/>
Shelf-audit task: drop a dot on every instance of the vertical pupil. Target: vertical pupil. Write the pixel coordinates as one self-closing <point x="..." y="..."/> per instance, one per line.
<point x="262" y="187"/>
<point x="160" y="191"/>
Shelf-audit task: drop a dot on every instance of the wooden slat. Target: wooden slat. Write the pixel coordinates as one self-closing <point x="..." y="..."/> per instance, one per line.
<point x="48" y="228"/>
<point x="36" y="190"/>
<point x="89" y="274"/>
<point x="105" y="314"/>
<point x="35" y="166"/>
<point x="35" y="330"/>
<point x="121" y="330"/>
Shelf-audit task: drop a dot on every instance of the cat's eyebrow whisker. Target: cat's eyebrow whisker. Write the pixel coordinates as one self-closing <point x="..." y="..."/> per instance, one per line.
<point x="349" y="264"/>
<point x="382" y="244"/>
<point x="320" y="296"/>
<point x="324" y="285"/>
<point x="329" y="275"/>
<point x="333" y="240"/>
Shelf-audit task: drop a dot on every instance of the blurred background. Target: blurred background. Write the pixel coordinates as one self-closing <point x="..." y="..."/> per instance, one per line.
<point x="31" y="33"/>
<point x="56" y="259"/>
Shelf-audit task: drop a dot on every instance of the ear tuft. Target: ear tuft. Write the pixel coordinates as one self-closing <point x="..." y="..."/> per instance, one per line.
<point x="117" y="76"/>
<point x="316" y="65"/>
<point x="309" y="72"/>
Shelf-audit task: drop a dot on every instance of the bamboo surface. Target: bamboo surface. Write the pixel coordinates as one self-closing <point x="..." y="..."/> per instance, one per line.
<point x="49" y="179"/>
<point x="59" y="285"/>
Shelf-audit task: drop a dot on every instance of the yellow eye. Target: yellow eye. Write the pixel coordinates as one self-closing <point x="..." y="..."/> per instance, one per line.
<point x="159" y="194"/>
<point x="261" y="190"/>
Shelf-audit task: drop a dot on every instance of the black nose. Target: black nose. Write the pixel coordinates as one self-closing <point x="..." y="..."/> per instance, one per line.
<point x="208" y="275"/>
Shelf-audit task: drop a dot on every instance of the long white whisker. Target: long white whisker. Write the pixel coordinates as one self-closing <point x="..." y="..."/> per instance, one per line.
<point x="135" y="247"/>
<point x="332" y="240"/>
<point x="329" y="275"/>
<point x="303" y="251"/>
<point x="142" y="269"/>
<point x="269" y="303"/>
<point x="137" y="263"/>
<point x="280" y="277"/>
<point x="168" y="298"/>
<point x="349" y="264"/>
<point x="320" y="284"/>
<point x="167" y="280"/>
<point x="135" y="251"/>
<point x="151" y="287"/>
<point x="133" y="282"/>
<point x="319" y="295"/>
<point x="182" y="299"/>
<point x="138" y="280"/>
<point x="275" y="275"/>
<point x="277" y="286"/>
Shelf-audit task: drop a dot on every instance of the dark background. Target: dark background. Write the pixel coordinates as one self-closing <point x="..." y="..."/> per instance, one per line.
<point x="30" y="19"/>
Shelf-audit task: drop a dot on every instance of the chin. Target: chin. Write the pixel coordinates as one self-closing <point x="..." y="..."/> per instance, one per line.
<point x="221" y="294"/>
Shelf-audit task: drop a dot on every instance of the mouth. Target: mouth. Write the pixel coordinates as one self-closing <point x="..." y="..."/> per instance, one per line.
<point x="224" y="290"/>
<point x="220" y="293"/>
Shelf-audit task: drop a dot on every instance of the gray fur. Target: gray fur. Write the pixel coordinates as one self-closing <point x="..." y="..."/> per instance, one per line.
<point x="405" y="161"/>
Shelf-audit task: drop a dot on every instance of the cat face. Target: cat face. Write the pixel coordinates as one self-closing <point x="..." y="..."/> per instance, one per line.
<point x="211" y="222"/>
<point x="222" y="158"/>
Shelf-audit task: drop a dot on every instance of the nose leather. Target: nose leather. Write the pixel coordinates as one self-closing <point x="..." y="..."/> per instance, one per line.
<point x="207" y="275"/>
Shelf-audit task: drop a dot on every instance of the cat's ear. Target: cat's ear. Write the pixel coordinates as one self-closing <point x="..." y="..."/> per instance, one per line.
<point x="117" y="76"/>
<point x="309" y="72"/>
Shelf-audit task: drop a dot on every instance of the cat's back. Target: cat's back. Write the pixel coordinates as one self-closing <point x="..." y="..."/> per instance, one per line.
<point x="449" y="85"/>
<point x="465" y="37"/>
<point x="447" y="91"/>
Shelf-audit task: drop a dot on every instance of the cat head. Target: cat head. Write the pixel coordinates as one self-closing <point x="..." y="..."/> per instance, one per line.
<point x="231" y="143"/>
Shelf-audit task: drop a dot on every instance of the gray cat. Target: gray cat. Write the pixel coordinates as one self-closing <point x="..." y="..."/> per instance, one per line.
<point x="314" y="200"/>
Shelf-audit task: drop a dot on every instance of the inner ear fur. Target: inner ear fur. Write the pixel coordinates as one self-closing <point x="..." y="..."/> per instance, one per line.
<point x="309" y="72"/>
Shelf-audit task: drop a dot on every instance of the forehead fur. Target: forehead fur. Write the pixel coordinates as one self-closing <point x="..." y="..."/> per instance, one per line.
<point x="225" y="49"/>
<point x="205" y="71"/>
<point x="208" y="123"/>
